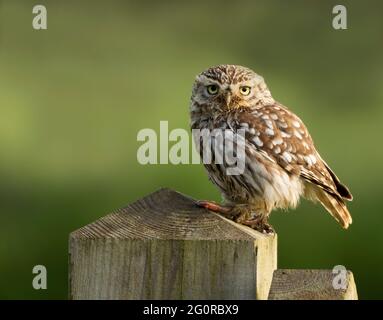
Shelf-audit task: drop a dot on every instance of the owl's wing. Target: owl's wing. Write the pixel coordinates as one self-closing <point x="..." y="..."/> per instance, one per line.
<point x="279" y="133"/>
<point x="341" y="188"/>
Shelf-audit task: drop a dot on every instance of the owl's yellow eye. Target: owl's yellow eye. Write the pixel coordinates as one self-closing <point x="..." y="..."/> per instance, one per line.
<point x="212" y="89"/>
<point x="245" y="90"/>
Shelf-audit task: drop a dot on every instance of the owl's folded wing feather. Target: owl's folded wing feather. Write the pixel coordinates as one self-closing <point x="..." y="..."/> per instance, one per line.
<point x="280" y="134"/>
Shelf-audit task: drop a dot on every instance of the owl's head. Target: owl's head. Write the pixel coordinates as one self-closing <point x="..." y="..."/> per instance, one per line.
<point x="227" y="87"/>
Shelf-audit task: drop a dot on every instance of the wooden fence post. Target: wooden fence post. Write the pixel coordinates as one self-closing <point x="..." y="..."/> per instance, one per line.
<point x="301" y="284"/>
<point x="165" y="247"/>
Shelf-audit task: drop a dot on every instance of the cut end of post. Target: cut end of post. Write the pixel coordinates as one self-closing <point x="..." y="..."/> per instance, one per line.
<point x="168" y="215"/>
<point x="297" y="284"/>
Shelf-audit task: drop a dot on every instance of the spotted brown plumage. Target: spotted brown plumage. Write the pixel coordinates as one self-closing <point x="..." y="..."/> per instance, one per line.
<point x="281" y="162"/>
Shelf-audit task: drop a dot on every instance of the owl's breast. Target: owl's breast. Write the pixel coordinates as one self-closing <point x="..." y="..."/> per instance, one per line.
<point x="262" y="184"/>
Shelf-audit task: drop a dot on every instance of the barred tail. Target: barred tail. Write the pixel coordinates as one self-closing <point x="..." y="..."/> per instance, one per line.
<point x="336" y="207"/>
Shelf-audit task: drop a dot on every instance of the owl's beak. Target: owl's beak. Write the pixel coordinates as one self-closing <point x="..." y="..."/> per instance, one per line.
<point x="228" y="97"/>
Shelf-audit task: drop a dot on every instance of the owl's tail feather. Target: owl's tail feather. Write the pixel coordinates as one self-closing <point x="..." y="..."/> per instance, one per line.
<point x="336" y="207"/>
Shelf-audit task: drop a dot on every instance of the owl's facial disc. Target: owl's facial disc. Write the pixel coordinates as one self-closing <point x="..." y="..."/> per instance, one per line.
<point x="229" y="87"/>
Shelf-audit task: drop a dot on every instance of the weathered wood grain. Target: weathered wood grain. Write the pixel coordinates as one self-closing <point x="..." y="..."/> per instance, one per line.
<point x="289" y="284"/>
<point x="165" y="247"/>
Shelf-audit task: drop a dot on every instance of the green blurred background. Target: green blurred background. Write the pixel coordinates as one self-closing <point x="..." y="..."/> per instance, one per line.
<point x="73" y="97"/>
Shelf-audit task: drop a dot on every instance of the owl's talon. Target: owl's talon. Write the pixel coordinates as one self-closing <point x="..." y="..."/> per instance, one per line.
<point x="268" y="229"/>
<point x="260" y="225"/>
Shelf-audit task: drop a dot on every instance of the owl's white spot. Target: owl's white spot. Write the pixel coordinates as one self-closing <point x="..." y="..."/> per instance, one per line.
<point x="313" y="158"/>
<point x="286" y="156"/>
<point x="270" y="145"/>
<point x="276" y="108"/>
<point x="277" y="150"/>
<point x="277" y="141"/>
<point x="258" y="141"/>
<point x="296" y="124"/>
<point x="308" y="161"/>
<point x="269" y="124"/>
<point x="244" y="124"/>
<point x="273" y="116"/>
<point x="282" y="124"/>
<point x="269" y="131"/>
<point x="285" y="135"/>
<point x="307" y="147"/>
<point x="265" y="117"/>
<point x="252" y="131"/>
<point x="297" y="134"/>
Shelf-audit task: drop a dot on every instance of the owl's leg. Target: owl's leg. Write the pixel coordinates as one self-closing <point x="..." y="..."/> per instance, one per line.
<point x="240" y="213"/>
<point x="227" y="211"/>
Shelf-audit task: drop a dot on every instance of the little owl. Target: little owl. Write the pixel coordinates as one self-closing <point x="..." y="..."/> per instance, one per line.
<point x="281" y="162"/>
